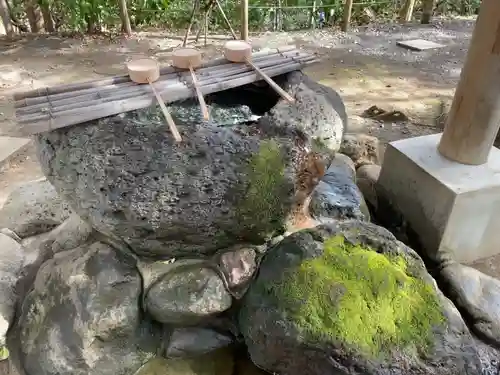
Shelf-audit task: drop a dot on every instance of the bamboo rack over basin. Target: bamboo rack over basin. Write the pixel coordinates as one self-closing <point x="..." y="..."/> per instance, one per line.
<point x="51" y="108"/>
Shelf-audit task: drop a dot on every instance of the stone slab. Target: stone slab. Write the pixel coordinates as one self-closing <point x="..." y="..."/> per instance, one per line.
<point x="10" y="147"/>
<point x="454" y="208"/>
<point x="418" y="44"/>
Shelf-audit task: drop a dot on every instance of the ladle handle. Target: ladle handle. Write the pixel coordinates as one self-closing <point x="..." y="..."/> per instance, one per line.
<point x="168" y="117"/>
<point x="271" y="83"/>
<point x="201" y="99"/>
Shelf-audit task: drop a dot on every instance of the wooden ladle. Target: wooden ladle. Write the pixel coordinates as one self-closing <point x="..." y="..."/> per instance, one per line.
<point x="148" y="71"/>
<point x="190" y="58"/>
<point x="241" y="52"/>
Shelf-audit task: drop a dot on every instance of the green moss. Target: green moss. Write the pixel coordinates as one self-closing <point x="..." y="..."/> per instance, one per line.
<point x="354" y="295"/>
<point x="263" y="204"/>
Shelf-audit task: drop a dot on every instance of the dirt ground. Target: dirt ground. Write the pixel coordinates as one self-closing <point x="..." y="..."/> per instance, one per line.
<point x="365" y="66"/>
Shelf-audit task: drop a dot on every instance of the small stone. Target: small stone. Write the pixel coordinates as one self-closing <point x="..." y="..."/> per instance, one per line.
<point x="187" y="295"/>
<point x="194" y="341"/>
<point x="33" y="246"/>
<point x="478" y="297"/>
<point x="336" y="197"/>
<point x="366" y="179"/>
<point x="238" y="266"/>
<point x="33" y="208"/>
<point x="72" y="233"/>
<point x="361" y="148"/>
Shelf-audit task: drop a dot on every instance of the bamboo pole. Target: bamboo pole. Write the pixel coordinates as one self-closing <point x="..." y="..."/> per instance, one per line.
<point x="48" y="122"/>
<point x="244" y="20"/>
<point x="99" y="83"/>
<point x="70" y="103"/>
<point x="210" y="71"/>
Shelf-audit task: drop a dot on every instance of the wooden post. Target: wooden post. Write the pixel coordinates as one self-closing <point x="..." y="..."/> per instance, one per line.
<point x="347" y="15"/>
<point x="406" y="11"/>
<point x="474" y="117"/>
<point x="244" y="19"/>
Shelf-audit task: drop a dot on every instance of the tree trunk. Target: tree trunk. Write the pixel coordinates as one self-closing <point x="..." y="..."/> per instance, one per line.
<point x="126" y="28"/>
<point x="312" y="21"/>
<point x="427" y="11"/>
<point x="407" y="11"/>
<point x="48" y="21"/>
<point x="34" y="15"/>
<point x="5" y="18"/>
<point x="346" y="21"/>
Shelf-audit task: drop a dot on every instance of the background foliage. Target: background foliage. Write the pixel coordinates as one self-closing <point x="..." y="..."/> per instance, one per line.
<point x="286" y="15"/>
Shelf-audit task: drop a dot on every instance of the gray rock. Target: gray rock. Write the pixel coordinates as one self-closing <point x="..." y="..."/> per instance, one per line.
<point x="336" y="196"/>
<point x="366" y="178"/>
<point x="11" y="234"/>
<point x="127" y="177"/>
<point x="318" y="112"/>
<point x="189" y="293"/>
<point x="33" y="248"/>
<point x="478" y="297"/>
<point x="194" y="341"/>
<point x="361" y="148"/>
<point x="72" y="233"/>
<point x="82" y="316"/>
<point x="11" y="263"/>
<point x="33" y="208"/>
<point x="348" y="298"/>
<point x="239" y="266"/>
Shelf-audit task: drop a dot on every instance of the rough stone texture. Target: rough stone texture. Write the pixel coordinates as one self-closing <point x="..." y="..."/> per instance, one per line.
<point x="72" y="233"/>
<point x="33" y="208"/>
<point x="82" y="316"/>
<point x="11" y="263"/>
<point x="477" y="296"/>
<point x="239" y="266"/>
<point x="275" y="343"/>
<point x="127" y="177"/>
<point x="319" y="112"/>
<point x="361" y="148"/>
<point x="195" y="341"/>
<point x="337" y="196"/>
<point x="188" y="292"/>
<point x="220" y="362"/>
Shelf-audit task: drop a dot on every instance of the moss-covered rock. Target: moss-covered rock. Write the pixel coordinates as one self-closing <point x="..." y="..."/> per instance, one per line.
<point x="377" y="303"/>
<point x="351" y="299"/>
